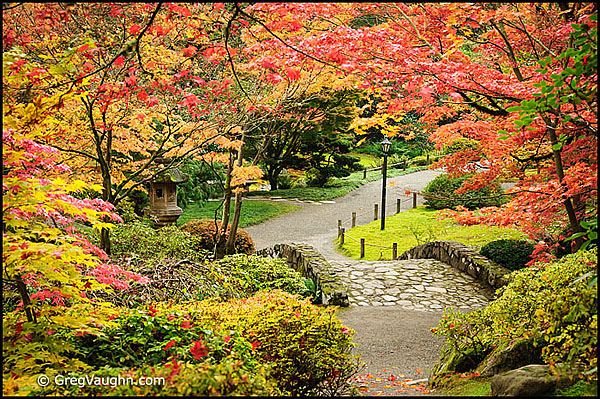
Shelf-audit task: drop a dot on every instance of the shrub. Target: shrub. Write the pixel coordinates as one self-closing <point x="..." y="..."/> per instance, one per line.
<point x="307" y="346"/>
<point x="272" y="343"/>
<point x="197" y="188"/>
<point x="284" y="180"/>
<point x="512" y="254"/>
<point x="440" y="194"/>
<point x="462" y="144"/>
<point x="204" y="230"/>
<point x="553" y="306"/>
<point x="257" y="273"/>
<point x="176" y="280"/>
<point x="234" y="276"/>
<point x="149" y="243"/>
<point x="166" y="342"/>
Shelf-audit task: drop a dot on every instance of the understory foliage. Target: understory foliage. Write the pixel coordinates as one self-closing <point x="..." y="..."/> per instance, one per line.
<point x="512" y="254"/>
<point x="234" y="276"/>
<point x="269" y="344"/>
<point x="141" y="239"/>
<point x="254" y="273"/>
<point x="550" y="310"/>
<point x="440" y="193"/>
<point x="205" y="230"/>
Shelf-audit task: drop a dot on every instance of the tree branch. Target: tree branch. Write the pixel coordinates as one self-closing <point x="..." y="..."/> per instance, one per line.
<point x="237" y="6"/>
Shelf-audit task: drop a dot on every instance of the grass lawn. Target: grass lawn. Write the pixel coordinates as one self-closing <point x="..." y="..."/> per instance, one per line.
<point x="366" y="160"/>
<point x="336" y="188"/>
<point x="253" y="211"/>
<point x="418" y="226"/>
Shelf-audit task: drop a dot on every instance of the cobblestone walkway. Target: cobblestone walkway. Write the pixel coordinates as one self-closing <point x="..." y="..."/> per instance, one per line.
<point x="393" y="304"/>
<point x="415" y="284"/>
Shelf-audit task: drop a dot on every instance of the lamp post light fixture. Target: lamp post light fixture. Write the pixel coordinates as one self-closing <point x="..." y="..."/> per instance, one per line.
<point x="385" y="147"/>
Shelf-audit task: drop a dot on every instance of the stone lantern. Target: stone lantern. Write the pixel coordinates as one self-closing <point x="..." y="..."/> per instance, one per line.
<point x="163" y="195"/>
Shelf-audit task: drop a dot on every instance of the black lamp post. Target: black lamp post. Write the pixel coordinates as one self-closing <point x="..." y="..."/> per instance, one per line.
<point x="385" y="147"/>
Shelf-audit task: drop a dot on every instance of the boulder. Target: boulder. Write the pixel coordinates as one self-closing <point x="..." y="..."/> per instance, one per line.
<point x="512" y="356"/>
<point x="530" y="380"/>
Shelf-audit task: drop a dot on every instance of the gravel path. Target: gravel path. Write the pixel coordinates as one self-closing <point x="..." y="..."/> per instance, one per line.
<point x="393" y="337"/>
<point x="316" y="223"/>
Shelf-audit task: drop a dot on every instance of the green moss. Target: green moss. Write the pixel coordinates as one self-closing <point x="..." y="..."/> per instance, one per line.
<point x="477" y="386"/>
<point x="580" y="388"/>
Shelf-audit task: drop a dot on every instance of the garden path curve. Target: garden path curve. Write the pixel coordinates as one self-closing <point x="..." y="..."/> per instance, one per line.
<point x="393" y="304"/>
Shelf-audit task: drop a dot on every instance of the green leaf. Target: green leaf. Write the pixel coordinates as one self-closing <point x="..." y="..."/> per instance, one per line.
<point x="514" y="109"/>
<point x="575" y="236"/>
<point x="557" y="147"/>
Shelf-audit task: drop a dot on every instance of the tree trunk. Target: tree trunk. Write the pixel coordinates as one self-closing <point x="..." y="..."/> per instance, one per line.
<point x="229" y="246"/>
<point x="273" y="183"/>
<point x="106" y="196"/>
<point x="557" y="154"/>
<point x="221" y="234"/>
<point x="105" y="240"/>
<point x="273" y="175"/>
<point x="22" y="288"/>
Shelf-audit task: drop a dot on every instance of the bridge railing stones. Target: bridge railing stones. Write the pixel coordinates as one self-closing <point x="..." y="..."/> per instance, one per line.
<point x="311" y="264"/>
<point x="462" y="258"/>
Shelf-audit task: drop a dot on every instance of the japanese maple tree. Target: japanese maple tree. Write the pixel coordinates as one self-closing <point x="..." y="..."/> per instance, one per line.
<point x="471" y="71"/>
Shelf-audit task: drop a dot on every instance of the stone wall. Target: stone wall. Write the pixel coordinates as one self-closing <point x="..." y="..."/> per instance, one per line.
<point x="311" y="264"/>
<point x="462" y="258"/>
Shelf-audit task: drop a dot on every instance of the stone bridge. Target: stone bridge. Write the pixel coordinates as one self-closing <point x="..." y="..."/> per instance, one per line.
<point x="429" y="277"/>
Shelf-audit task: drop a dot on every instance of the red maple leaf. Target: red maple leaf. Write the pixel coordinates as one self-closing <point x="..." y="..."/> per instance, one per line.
<point x="170" y="344"/>
<point x="292" y="74"/>
<point x="186" y="324"/>
<point x="190" y="100"/>
<point x="198" y="350"/>
<point x="135" y="29"/>
<point x="119" y="61"/>
<point x="189" y="51"/>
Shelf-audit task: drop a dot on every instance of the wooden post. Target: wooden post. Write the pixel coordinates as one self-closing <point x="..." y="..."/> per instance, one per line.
<point x="427" y="160"/>
<point x="364" y="174"/>
<point x="404" y="167"/>
<point x="414" y="200"/>
<point x="395" y="251"/>
<point x="362" y="248"/>
<point x="376" y="207"/>
<point x="339" y="227"/>
<point x="398" y="205"/>
<point x="353" y="219"/>
<point x="342" y="236"/>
